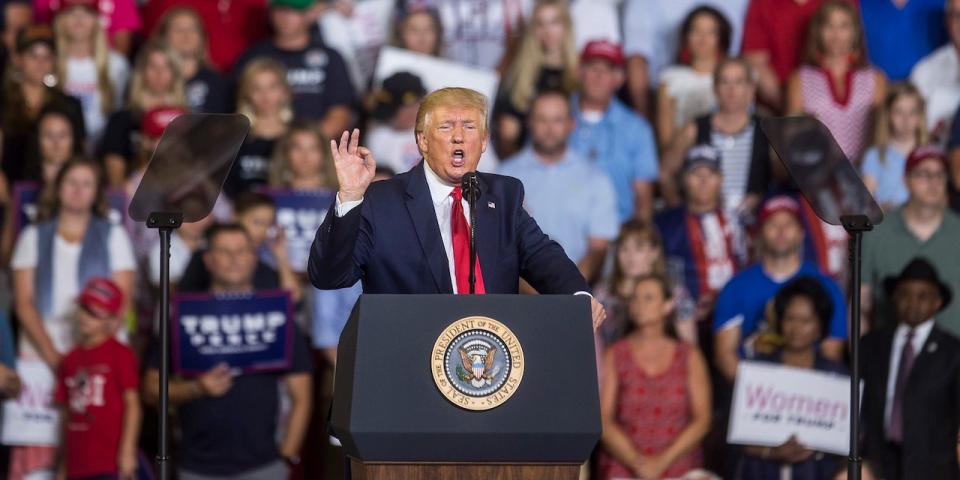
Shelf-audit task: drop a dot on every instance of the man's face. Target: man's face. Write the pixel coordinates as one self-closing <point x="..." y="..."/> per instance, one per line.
<point x="452" y="141"/>
<point x="782" y="235"/>
<point x="702" y="184"/>
<point x="550" y="124"/>
<point x="916" y="301"/>
<point x="735" y="90"/>
<point x="288" y="21"/>
<point x="230" y="260"/>
<point x="952" y="17"/>
<point x="927" y="183"/>
<point x="599" y="80"/>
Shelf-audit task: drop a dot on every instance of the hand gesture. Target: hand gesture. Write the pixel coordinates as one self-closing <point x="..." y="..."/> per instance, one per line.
<point x="792" y="451"/>
<point x="598" y="312"/>
<point x="217" y="381"/>
<point x="127" y="464"/>
<point x="354" y="164"/>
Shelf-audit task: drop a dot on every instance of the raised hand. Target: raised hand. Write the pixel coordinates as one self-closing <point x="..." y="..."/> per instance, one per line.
<point x="355" y="166"/>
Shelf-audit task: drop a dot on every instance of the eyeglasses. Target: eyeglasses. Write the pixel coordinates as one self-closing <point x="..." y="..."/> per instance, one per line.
<point x="928" y="175"/>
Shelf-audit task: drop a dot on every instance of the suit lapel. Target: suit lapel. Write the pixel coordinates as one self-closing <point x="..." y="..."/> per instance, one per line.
<point x="423" y="214"/>
<point x="488" y="233"/>
<point x="926" y="354"/>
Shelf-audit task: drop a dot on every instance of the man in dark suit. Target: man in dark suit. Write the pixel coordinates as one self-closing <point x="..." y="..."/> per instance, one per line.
<point x="410" y="234"/>
<point x="911" y="399"/>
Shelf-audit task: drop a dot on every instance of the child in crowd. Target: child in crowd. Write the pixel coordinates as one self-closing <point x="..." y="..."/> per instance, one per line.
<point x="654" y="394"/>
<point x="638" y="252"/>
<point x="900" y="128"/>
<point x="98" y="391"/>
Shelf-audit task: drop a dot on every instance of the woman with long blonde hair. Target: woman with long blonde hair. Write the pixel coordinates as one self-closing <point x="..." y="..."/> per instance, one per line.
<point x="156" y="82"/>
<point x="301" y="163"/>
<point x="181" y="29"/>
<point x="87" y="67"/>
<point x="265" y="98"/>
<point x="546" y="60"/>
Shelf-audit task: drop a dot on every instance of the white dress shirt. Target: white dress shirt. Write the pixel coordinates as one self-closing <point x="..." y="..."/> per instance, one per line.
<point x="920" y="334"/>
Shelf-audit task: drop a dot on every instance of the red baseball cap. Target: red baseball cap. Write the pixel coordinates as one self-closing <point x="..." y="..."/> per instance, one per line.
<point x="924" y="152"/>
<point x="101" y="297"/>
<point x="157" y="119"/>
<point x="603" y="50"/>
<point x="58" y="6"/>
<point x="777" y="204"/>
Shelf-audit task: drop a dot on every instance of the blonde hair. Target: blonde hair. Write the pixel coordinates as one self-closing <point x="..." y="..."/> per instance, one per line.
<point x="451" y="97"/>
<point x="521" y="78"/>
<point x="256" y="66"/>
<point x="883" y="129"/>
<point x="138" y="84"/>
<point x="280" y="173"/>
<point x="101" y="59"/>
<point x="166" y="20"/>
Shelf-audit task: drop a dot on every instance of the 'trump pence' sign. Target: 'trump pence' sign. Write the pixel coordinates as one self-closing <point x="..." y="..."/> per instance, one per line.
<point x="772" y="402"/>
<point x="251" y="333"/>
<point x="300" y="214"/>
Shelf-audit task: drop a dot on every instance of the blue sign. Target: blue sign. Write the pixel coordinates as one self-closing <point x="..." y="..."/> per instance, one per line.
<point x="299" y="214"/>
<point x="26" y="201"/>
<point x="250" y="333"/>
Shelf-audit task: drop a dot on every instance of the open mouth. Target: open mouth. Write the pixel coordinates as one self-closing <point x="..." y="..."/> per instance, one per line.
<point x="458" y="158"/>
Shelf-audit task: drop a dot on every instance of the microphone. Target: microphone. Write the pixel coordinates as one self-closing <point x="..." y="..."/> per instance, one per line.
<point x="470" y="187"/>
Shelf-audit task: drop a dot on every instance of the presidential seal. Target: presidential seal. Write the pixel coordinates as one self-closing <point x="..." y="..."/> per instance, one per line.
<point x="477" y="363"/>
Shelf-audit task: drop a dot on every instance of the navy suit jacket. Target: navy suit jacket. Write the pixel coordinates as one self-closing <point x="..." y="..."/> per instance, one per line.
<point x="391" y="242"/>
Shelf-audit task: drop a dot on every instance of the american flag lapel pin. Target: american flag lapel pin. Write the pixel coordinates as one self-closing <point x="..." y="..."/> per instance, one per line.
<point x="491" y="205"/>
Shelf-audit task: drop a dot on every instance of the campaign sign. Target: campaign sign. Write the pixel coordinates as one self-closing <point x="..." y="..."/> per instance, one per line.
<point x="31" y="418"/>
<point x="300" y="214"/>
<point x="26" y="200"/>
<point x="772" y="402"/>
<point x="250" y="333"/>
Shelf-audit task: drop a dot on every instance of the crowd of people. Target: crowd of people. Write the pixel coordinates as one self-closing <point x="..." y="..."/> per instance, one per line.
<point x="634" y="126"/>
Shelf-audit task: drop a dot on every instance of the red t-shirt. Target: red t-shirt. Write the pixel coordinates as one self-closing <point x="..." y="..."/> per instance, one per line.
<point x="778" y="27"/>
<point x="90" y="384"/>
<point x="231" y="25"/>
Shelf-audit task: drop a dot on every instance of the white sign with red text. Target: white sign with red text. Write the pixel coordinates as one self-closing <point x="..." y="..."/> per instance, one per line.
<point x="772" y="402"/>
<point x="31" y="418"/>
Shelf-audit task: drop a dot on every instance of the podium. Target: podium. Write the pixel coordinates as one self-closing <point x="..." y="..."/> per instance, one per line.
<point x="467" y="387"/>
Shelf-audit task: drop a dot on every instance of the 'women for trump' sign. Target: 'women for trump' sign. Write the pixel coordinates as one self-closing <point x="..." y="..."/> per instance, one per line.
<point x="772" y="402"/>
<point x="250" y="333"/>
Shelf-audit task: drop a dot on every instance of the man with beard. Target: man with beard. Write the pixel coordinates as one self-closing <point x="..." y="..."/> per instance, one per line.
<point x="573" y="200"/>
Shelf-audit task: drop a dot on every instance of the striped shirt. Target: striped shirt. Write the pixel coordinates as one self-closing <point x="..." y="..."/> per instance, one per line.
<point x="736" y="154"/>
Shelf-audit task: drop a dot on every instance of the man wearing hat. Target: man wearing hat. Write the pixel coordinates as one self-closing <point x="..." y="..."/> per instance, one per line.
<point x="703" y="240"/>
<point x="318" y="77"/>
<point x="922" y="227"/>
<point x="394" y="107"/>
<point x="572" y="199"/>
<point x="911" y="373"/>
<point x="738" y="319"/>
<point x="608" y="133"/>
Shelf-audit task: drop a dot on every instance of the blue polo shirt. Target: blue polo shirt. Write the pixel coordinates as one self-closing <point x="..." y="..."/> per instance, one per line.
<point x="898" y="38"/>
<point x="745" y="297"/>
<point x="572" y="200"/>
<point x="621" y="143"/>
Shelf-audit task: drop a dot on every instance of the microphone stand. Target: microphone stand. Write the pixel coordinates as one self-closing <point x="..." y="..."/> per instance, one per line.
<point x="471" y="187"/>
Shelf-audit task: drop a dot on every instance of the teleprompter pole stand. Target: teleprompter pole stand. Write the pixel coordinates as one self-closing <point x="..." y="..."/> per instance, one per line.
<point x="855" y="225"/>
<point x="165" y="222"/>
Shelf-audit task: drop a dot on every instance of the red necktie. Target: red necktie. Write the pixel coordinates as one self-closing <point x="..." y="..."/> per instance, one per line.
<point x="461" y="247"/>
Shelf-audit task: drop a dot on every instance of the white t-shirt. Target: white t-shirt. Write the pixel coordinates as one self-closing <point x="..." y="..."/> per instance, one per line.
<point x="476" y="31"/>
<point x="358" y="38"/>
<point x="65" y="276"/>
<point x="651" y="28"/>
<point x="397" y="149"/>
<point x="937" y="76"/>
<point x="81" y="82"/>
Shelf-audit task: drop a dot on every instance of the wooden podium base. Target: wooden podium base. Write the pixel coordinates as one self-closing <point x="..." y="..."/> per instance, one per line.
<point x="461" y="471"/>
